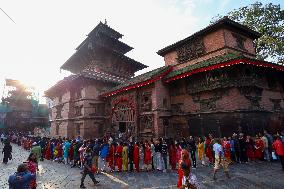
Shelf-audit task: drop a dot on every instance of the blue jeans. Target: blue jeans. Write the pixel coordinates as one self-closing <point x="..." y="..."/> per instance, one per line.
<point x="266" y="154"/>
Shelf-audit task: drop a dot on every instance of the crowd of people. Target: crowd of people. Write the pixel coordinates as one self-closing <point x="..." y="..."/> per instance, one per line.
<point x="106" y="154"/>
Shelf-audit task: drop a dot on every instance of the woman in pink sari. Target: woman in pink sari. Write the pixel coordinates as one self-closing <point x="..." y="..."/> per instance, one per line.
<point x="82" y="151"/>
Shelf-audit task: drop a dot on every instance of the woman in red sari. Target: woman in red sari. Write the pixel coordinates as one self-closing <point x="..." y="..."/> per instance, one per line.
<point x="110" y="157"/>
<point x="147" y="156"/>
<point x="208" y="149"/>
<point x="118" y="154"/>
<point x="71" y="152"/>
<point x="48" y="151"/>
<point x="227" y="149"/>
<point x="173" y="155"/>
<point x="259" y="148"/>
<point x="185" y="159"/>
<point x="136" y="156"/>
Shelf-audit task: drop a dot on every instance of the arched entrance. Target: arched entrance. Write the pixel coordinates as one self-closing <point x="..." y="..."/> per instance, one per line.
<point x="123" y="119"/>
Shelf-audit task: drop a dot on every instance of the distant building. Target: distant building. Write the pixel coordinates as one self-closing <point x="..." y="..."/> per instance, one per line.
<point x="20" y="110"/>
<point x="211" y="83"/>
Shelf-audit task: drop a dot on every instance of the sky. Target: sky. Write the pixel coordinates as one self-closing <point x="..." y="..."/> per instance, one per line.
<point x="44" y="34"/>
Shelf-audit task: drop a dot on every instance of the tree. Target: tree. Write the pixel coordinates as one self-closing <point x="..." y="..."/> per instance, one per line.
<point x="268" y="20"/>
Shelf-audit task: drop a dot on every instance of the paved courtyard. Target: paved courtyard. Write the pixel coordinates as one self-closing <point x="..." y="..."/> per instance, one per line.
<point x="58" y="176"/>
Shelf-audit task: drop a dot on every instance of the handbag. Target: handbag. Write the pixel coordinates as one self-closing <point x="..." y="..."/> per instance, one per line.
<point x="10" y="157"/>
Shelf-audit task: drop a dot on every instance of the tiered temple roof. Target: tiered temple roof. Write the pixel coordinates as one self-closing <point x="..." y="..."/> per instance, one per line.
<point x="101" y="37"/>
<point x="92" y="75"/>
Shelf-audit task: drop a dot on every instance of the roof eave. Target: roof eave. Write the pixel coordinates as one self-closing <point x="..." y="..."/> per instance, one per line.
<point x="139" y="84"/>
<point x="232" y="62"/>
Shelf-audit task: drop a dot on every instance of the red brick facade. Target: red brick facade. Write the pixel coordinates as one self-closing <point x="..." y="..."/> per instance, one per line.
<point x="245" y="96"/>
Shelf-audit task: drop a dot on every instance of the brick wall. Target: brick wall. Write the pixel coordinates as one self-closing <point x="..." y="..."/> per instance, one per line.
<point x="231" y="41"/>
<point x="212" y="42"/>
<point x="216" y="43"/>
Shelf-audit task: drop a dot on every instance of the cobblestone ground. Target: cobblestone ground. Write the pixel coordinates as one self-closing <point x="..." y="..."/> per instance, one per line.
<point x="58" y="176"/>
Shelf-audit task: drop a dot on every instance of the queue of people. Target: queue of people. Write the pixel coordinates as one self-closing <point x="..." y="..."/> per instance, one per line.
<point x="106" y="154"/>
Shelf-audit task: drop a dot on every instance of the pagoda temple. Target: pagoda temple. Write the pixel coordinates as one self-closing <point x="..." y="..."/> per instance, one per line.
<point x="212" y="82"/>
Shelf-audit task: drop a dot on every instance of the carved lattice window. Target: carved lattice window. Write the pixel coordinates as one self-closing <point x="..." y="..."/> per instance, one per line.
<point x="207" y="105"/>
<point x="78" y="94"/>
<point x="78" y="129"/>
<point x="78" y="110"/>
<point x="58" y="111"/>
<point x="177" y="108"/>
<point x="240" y="41"/>
<point x="123" y="113"/>
<point x="253" y="94"/>
<point x="146" y="101"/>
<point x="98" y="109"/>
<point x="191" y="50"/>
<point x="146" y="121"/>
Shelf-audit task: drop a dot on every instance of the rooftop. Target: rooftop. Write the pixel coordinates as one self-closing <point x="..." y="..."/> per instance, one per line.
<point x="104" y="37"/>
<point x="225" y="22"/>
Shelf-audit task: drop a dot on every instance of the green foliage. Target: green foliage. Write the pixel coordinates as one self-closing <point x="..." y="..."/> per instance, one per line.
<point x="268" y="20"/>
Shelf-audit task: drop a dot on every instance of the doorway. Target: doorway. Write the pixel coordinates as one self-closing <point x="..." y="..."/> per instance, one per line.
<point x="122" y="127"/>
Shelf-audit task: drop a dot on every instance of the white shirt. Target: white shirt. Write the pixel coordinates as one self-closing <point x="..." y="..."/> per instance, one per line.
<point x="265" y="141"/>
<point x="217" y="148"/>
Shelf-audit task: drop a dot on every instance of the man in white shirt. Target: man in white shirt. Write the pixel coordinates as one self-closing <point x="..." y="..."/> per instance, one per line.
<point x="219" y="159"/>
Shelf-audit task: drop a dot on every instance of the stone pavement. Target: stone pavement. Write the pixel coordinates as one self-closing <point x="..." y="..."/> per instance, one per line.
<point x="58" y="176"/>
